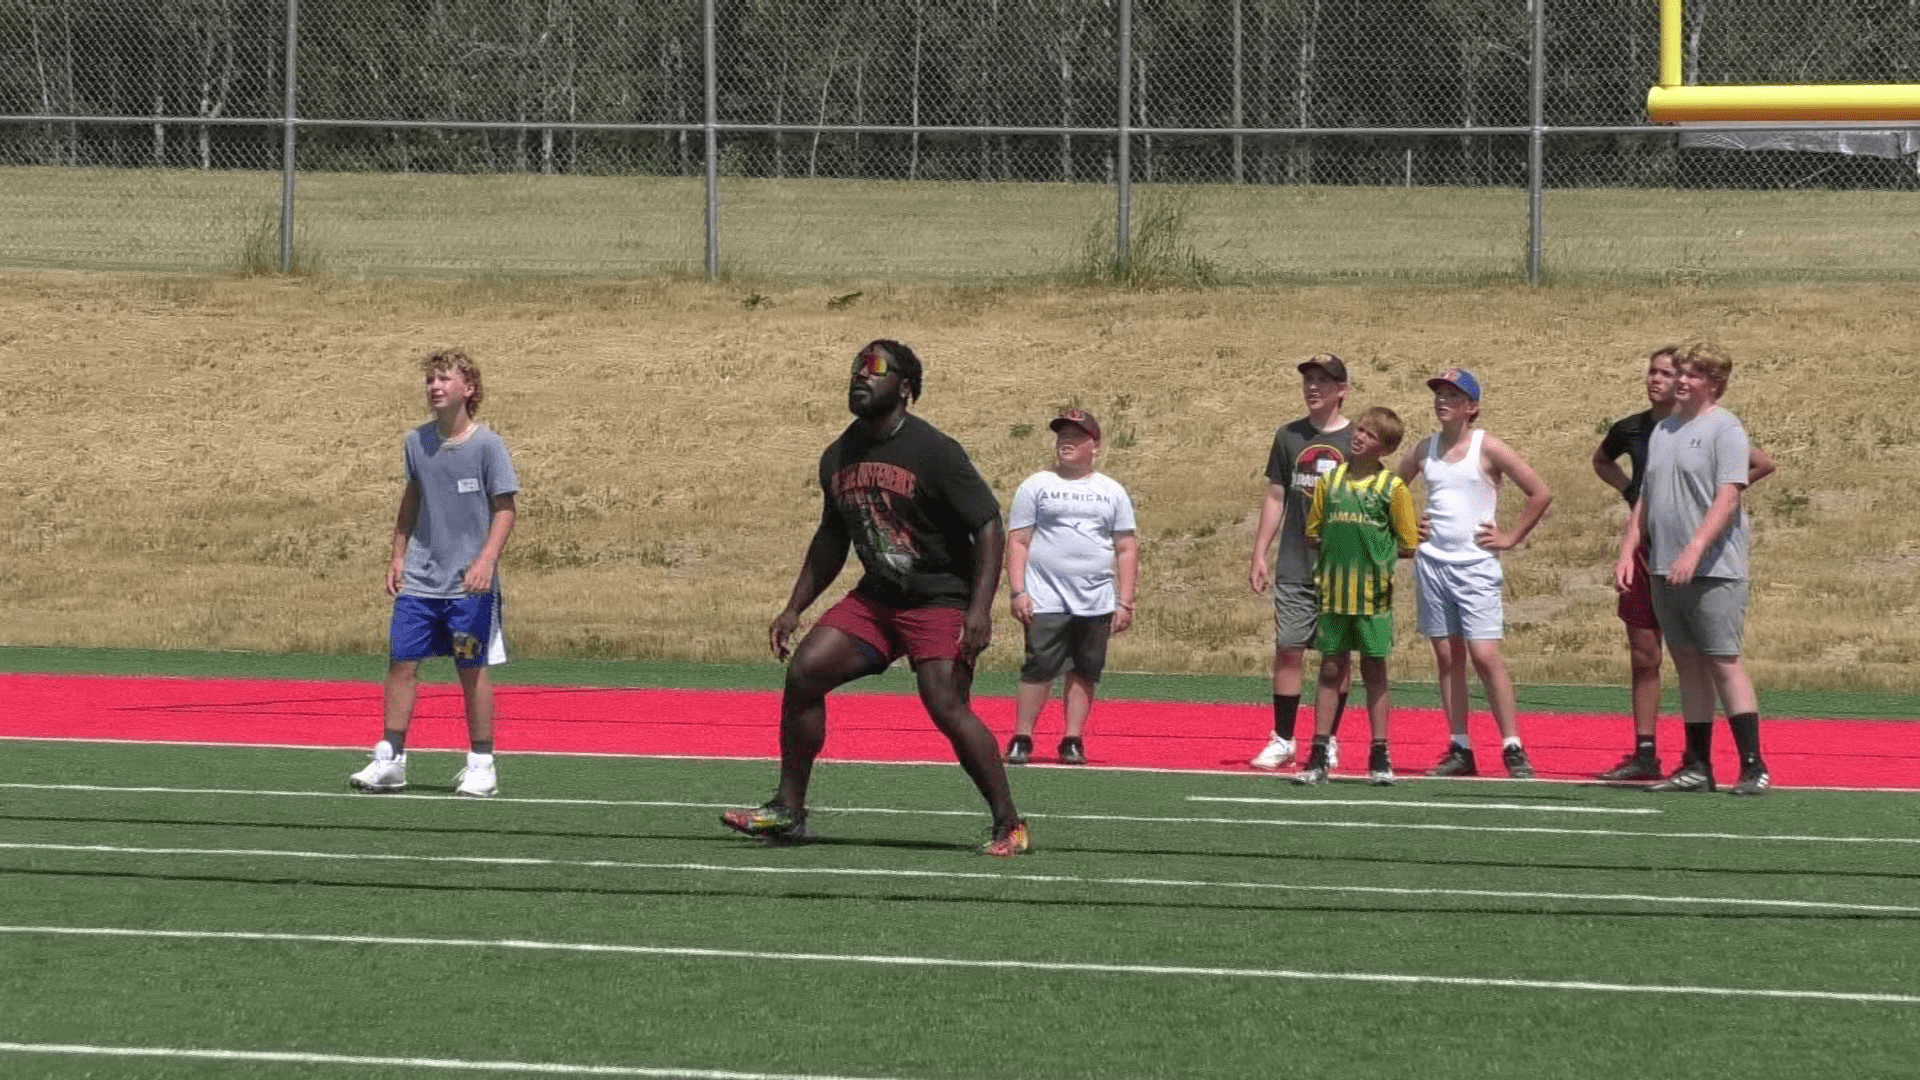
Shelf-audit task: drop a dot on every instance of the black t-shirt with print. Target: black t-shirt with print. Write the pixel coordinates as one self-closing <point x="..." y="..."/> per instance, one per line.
<point x="1630" y="437"/>
<point x="910" y="505"/>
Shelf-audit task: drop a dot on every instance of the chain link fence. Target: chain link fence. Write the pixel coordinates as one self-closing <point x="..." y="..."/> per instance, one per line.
<point x="941" y="140"/>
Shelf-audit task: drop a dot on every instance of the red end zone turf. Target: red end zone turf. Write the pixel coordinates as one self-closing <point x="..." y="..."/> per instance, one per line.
<point x="1803" y="752"/>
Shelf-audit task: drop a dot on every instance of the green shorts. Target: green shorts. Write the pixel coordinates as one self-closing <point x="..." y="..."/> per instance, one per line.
<point x="1372" y="635"/>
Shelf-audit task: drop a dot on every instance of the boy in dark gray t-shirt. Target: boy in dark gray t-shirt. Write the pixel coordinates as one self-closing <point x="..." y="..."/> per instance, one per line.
<point x="455" y="516"/>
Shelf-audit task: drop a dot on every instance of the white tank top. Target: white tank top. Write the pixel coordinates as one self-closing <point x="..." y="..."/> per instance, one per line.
<point x="1460" y="499"/>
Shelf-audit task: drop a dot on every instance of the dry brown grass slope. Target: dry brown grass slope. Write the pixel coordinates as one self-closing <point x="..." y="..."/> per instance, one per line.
<point x="214" y="463"/>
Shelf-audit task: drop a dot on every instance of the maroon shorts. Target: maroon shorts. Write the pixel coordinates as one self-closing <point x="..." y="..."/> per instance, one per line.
<point x="1636" y="604"/>
<point x="922" y="633"/>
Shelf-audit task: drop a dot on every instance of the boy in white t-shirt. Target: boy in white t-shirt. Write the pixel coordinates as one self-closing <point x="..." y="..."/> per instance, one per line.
<point x="1072" y="565"/>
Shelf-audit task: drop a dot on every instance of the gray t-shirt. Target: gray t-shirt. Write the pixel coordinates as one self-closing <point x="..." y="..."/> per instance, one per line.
<point x="457" y="486"/>
<point x="1687" y="462"/>
<point x="1070" y="560"/>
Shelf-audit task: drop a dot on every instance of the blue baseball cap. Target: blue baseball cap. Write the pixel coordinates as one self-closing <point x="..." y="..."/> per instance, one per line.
<point x="1460" y="379"/>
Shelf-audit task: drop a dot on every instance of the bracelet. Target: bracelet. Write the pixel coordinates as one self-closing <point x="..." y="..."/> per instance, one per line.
<point x="1129" y="607"/>
<point x="1017" y="594"/>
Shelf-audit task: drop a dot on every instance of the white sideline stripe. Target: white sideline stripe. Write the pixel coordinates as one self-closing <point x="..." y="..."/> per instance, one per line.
<point x="953" y="875"/>
<point x="1155" y="770"/>
<point x="950" y="962"/>
<point x="298" y="1058"/>
<point x="1397" y="804"/>
<point x="1122" y="818"/>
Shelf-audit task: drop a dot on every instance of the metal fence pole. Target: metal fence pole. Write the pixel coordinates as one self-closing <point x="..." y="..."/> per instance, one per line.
<point x="1239" y="115"/>
<point x="287" y="136"/>
<point x="1536" y="140"/>
<point x="713" y="147"/>
<point x="1123" y="167"/>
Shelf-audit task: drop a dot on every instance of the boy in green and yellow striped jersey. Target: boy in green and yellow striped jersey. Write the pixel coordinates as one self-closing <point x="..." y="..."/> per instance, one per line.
<point x="1361" y="523"/>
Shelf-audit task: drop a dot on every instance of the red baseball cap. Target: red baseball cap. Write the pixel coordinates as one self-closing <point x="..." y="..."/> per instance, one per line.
<point x="1079" y="418"/>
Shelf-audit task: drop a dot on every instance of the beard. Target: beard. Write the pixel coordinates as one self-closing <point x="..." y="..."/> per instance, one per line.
<point x="872" y="406"/>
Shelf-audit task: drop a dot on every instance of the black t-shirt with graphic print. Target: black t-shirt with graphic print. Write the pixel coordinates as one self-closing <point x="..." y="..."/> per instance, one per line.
<point x="910" y="505"/>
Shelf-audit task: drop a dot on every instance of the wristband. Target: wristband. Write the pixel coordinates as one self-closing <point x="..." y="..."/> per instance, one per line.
<point x="1017" y="594"/>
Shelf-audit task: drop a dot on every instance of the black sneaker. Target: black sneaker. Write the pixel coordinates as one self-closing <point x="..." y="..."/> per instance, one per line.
<point x="1457" y="762"/>
<point x="1072" y="752"/>
<point x="1635" y="766"/>
<point x="1019" y="750"/>
<point x="1754" y="780"/>
<point x="1515" y="759"/>
<point x="1379" y="767"/>
<point x="1690" y="776"/>
<point x="1315" y="770"/>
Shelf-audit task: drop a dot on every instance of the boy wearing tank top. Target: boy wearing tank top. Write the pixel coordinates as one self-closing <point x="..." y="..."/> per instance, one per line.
<point x="1457" y="574"/>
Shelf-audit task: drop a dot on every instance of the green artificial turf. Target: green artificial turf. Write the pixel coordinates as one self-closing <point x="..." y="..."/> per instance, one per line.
<point x="1129" y="871"/>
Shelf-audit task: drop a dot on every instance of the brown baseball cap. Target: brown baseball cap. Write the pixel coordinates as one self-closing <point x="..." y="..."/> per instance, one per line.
<point x="1326" y="362"/>
<point x="1079" y="418"/>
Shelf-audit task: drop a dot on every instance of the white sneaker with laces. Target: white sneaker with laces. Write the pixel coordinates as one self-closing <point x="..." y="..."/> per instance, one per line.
<point x="478" y="779"/>
<point x="1279" y="752"/>
<point x="1333" y="752"/>
<point x="387" y="773"/>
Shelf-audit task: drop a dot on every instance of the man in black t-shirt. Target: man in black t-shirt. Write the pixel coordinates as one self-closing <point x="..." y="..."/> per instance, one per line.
<point x="928" y="532"/>
<point x="1628" y="438"/>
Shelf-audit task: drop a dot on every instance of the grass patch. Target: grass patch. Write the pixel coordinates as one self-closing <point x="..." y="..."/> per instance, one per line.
<point x="655" y="526"/>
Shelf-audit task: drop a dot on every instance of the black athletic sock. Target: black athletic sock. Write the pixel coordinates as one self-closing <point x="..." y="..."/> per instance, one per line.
<point x="483" y="746"/>
<point x="397" y="740"/>
<point x="1746" y="736"/>
<point x="1286" y="710"/>
<point x="1339" y="713"/>
<point x="1643" y="746"/>
<point x="1700" y="743"/>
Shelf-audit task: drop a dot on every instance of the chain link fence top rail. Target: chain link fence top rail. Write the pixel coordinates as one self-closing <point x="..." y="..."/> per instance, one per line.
<point x="936" y="139"/>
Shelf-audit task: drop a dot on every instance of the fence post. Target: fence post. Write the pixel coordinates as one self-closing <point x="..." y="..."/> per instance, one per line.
<point x="1536" y="141"/>
<point x="1123" y="169"/>
<point x="1239" y="113"/>
<point x="287" y="136"/>
<point x="713" y="146"/>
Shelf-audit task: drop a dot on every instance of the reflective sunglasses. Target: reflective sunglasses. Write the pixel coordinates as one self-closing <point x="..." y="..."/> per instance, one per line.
<point x="873" y="363"/>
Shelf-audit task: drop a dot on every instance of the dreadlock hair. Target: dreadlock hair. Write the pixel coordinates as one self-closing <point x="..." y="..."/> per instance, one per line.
<point x="903" y="357"/>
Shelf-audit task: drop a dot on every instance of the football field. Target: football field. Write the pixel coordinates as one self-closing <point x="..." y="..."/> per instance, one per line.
<point x="180" y="905"/>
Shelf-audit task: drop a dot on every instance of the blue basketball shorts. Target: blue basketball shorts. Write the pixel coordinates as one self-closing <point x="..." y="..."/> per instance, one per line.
<point x="466" y="628"/>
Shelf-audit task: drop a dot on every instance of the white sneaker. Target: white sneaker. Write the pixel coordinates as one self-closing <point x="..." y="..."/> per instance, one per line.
<point x="387" y="773"/>
<point x="478" y="778"/>
<point x="1333" y="752"/>
<point x="1279" y="752"/>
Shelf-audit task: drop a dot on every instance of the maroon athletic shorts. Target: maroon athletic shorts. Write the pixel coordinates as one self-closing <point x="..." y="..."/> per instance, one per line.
<point x="1636" y="604"/>
<point x="922" y="633"/>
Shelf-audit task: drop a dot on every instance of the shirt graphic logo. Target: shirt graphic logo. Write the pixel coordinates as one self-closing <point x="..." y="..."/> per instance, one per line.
<point x="1313" y="463"/>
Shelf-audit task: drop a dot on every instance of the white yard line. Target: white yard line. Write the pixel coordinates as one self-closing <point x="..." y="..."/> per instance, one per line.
<point x="1396" y="804"/>
<point x="1049" y="967"/>
<point x="452" y="1064"/>
<point x="953" y="875"/>
<point x="672" y="804"/>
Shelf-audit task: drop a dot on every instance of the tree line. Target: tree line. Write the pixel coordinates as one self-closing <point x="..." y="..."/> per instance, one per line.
<point x="937" y="63"/>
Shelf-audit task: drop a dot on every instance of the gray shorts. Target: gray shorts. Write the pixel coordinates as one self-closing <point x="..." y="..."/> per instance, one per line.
<point x="1296" y="614"/>
<point x="1707" y="614"/>
<point x="1057" y="641"/>
<point x="1460" y="599"/>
